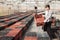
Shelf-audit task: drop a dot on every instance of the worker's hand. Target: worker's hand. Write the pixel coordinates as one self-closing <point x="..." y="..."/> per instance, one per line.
<point x="43" y="24"/>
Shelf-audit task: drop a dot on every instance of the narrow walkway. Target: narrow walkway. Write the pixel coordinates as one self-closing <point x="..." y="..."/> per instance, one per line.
<point x="37" y="32"/>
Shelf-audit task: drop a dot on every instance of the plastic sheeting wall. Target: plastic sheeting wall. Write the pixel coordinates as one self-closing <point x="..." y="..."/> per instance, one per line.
<point x="11" y="6"/>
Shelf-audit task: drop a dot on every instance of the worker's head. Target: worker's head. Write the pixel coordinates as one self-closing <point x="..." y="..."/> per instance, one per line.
<point x="47" y="7"/>
<point x="35" y="7"/>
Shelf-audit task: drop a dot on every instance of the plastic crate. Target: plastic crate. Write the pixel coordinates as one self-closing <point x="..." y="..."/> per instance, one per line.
<point x="39" y="19"/>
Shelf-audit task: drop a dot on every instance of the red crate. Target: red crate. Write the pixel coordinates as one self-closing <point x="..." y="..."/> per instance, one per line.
<point x="39" y="19"/>
<point x="30" y="38"/>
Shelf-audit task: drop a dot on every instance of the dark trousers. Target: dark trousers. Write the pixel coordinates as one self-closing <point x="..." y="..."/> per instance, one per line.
<point x="47" y="27"/>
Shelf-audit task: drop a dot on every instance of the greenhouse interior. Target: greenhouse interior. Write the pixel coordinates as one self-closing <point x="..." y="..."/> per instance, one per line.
<point x="29" y="19"/>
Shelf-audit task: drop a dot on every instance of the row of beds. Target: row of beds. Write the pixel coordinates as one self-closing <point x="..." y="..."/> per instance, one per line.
<point x="13" y="27"/>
